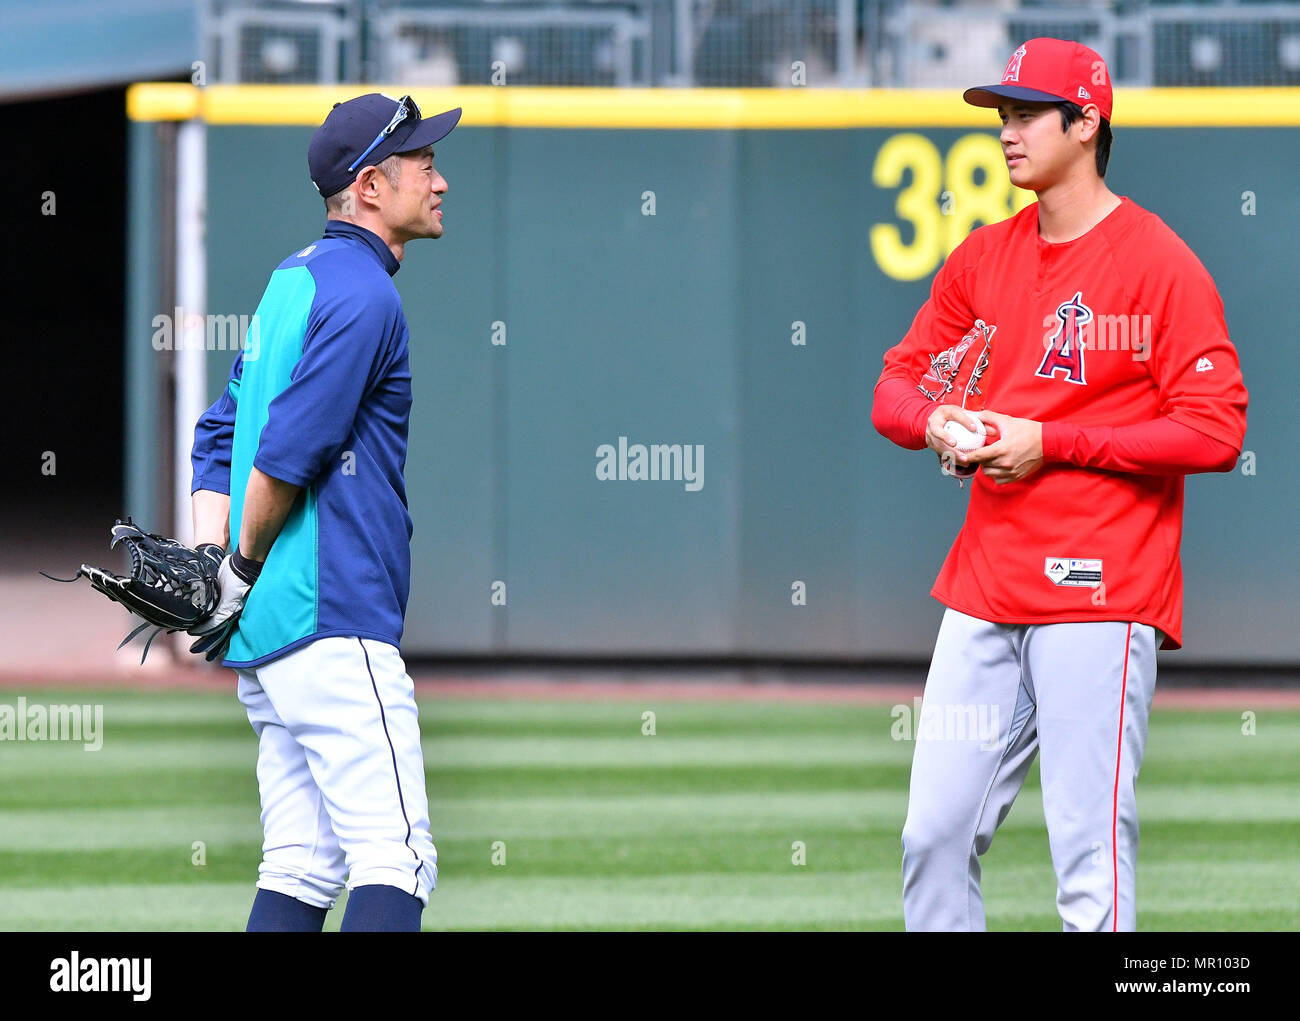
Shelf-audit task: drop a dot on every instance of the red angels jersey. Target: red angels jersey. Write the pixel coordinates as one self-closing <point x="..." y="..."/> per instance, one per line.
<point x="1120" y="326"/>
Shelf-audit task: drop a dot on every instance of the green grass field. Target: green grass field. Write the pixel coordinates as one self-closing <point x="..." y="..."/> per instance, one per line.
<point x="605" y="828"/>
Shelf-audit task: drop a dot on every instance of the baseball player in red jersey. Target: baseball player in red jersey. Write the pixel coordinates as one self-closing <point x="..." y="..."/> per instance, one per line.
<point x="1110" y="377"/>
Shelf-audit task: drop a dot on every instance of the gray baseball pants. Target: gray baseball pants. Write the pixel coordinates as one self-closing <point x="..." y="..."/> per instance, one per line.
<point x="1079" y="695"/>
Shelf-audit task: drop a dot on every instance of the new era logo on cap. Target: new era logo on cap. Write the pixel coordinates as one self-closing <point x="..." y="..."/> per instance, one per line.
<point x="1048" y="71"/>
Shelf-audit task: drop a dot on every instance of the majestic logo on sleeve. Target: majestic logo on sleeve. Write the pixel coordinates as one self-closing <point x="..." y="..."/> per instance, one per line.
<point x="1012" y="73"/>
<point x="1065" y="347"/>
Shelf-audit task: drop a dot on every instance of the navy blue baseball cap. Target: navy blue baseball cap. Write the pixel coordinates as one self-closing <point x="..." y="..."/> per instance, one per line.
<point x="367" y="130"/>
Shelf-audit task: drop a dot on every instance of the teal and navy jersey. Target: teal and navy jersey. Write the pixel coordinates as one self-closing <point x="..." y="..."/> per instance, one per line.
<point x="321" y="397"/>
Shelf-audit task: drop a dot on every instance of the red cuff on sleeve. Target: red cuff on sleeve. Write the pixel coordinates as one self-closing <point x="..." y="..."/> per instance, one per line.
<point x="899" y="412"/>
<point x="1158" y="447"/>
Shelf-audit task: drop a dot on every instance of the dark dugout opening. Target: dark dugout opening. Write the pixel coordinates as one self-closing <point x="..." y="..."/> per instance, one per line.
<point x="62" y="292"/>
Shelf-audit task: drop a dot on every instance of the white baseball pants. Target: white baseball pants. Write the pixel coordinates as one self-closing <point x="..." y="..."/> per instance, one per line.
<point x="340" y="771"/>
<point x="1077" y="694"/>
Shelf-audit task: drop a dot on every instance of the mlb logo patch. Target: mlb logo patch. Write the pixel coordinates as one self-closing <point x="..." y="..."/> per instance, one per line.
<point x="1073" y="571"/>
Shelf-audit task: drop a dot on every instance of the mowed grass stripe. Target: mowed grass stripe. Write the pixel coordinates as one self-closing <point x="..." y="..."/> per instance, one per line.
<point x="614" y="710"/>
<point x="118" y="754"/>
<point x="231" y="850"/>
<point x="502" y="716"/>
<point x="524" y="815"/>
<point x="463" y="818"/>
<point x="147" y="786"/>
<point x="1183" y="735"/>
<point x="865" y="899"/>
<point x="853" y="809"/>
<point x="869" y="899"/>
<point x="138" y="788"/>
<point x="95" y="829"/>
<point x="128" y="907"/>
<point x="49" y="758"/>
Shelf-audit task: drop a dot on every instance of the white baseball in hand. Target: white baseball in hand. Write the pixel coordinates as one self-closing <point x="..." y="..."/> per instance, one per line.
<point x="962" y="438"/>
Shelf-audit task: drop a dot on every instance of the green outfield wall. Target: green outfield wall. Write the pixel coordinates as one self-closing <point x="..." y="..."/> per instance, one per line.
<point x="732" y="287"/>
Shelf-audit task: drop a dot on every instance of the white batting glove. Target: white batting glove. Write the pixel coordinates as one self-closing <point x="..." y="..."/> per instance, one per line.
<point x="235" y="578"/>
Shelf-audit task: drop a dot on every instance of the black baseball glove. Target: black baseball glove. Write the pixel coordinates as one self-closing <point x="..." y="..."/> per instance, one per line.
<point x="171" y="586"/>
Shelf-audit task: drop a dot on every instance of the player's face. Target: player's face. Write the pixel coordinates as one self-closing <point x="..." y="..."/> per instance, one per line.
<point x="1037" y="151"/>
<point x="413" y="208"/>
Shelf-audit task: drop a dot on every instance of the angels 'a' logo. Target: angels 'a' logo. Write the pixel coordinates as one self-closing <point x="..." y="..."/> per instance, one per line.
<point x="1012" y="73"/>
<point x="1065" y="347"/>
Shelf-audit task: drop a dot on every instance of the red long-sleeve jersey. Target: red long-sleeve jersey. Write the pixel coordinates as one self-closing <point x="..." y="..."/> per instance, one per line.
<point x="1116" y="342"/>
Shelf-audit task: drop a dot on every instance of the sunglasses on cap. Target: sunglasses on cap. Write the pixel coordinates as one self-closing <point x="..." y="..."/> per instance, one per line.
<point x="405" y="108"/>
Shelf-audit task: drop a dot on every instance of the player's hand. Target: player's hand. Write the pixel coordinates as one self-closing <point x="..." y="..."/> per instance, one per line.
<point x="937" y="440"/>
<point x="236" y="576"/>
<point x="1014" y="450"/>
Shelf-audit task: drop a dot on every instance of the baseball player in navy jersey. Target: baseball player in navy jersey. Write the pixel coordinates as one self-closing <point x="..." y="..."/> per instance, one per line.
<point x="300" y="462"/>
<point x="1065" y="576"/>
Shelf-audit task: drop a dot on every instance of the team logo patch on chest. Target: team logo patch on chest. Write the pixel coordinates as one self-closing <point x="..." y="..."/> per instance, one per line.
<point x="1065" y="347"/>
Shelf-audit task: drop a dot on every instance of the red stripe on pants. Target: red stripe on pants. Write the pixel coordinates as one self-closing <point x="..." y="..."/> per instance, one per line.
<point x="1114" y="811"/>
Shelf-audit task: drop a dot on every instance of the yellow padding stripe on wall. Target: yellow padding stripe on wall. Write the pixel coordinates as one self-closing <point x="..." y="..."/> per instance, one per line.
<point x="536" y="107"/>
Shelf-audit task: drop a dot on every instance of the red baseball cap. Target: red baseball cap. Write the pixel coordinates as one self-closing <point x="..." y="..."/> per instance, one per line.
<point x="1047" y="71"/>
